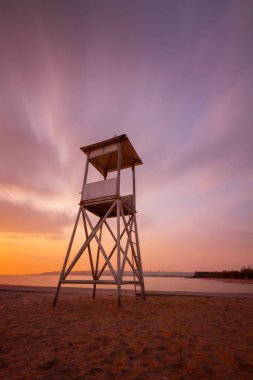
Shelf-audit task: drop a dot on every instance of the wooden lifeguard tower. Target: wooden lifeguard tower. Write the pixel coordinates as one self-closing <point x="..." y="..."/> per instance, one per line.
<point x="104" y="200"/>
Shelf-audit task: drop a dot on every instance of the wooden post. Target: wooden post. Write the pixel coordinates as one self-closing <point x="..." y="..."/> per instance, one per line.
<point x="85" y="174"/>
<point x="89" y="248"/>
<point x="139" y="258"/>
<point x="134" y="186"/>
<point x="118" y="254"/>
<point x="118" y="169"/>
<point x="66" y="258"/>
<point x="129" y="241"/>
<point x="97" y="263"/>
<point x="118" y="227"/>
<point x="139" y="263"/>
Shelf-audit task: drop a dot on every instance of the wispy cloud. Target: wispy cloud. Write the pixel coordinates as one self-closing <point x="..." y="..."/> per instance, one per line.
<point x="22" y="218"/>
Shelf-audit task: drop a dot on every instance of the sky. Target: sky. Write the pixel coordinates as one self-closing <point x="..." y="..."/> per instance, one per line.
<point x="176" y="77"/>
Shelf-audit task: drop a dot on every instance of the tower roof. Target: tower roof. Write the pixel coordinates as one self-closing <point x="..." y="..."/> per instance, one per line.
<point x="104" y="154"/>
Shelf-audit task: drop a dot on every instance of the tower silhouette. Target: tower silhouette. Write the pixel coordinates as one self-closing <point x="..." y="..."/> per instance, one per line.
<point x="104" y="200"/>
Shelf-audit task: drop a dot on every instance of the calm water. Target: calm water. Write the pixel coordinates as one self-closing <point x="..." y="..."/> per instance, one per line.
<point x="151" y="283"/>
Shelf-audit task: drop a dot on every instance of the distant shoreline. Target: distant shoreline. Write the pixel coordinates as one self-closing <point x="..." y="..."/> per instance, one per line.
<point x="245" y="273"/>
<point x="107" y="273"/>
<point x="128" y="273"/>
<point x="189" y="275"/>
<point x="112" y="292"/>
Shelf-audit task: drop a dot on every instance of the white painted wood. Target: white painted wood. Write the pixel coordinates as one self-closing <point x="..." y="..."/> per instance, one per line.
<point x="134" y="187"/>
<point x="66" y="257"/>
<point x="100" y="189"/>
<point x="125" y="282"/>
<point x="118" y="168"/>
<point x="87" y="242"/>
<point x="119" y="279"/>
<point x="97" y="263"/>
<point x="103" y="150"/>
<point x="128" y="231"/>
<point x="85" y="173"/>
<point x="125" y="253"/>
<point x="101" y="247"/>
<point x="129" y="200"/>
<point x="139" y="259"/>
<point x="114" y="248"/>
<point x="111" y="155"/>
<point x="89" y="247"/>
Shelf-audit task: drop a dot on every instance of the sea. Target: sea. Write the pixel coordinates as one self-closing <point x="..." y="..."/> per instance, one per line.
<point x="168" y="284"/>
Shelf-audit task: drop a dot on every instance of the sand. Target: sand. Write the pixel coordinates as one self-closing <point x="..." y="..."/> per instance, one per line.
<point x="169" y="337"/>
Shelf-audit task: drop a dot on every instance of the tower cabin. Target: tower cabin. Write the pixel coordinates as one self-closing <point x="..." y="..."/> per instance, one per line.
<point x="104" y="200"/>
<point x="108" y="156"/>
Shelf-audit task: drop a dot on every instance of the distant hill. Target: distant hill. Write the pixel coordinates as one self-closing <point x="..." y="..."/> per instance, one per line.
<point x="128" y="273"/>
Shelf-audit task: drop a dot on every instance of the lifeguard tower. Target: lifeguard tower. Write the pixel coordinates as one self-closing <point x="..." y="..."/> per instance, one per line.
<point x="104" y="200"/>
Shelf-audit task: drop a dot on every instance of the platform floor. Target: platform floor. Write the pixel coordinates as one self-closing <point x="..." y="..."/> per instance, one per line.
<point x="100" y="206"/>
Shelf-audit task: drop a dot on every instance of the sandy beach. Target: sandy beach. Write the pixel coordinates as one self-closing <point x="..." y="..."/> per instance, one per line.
<point x="170" y="337"/>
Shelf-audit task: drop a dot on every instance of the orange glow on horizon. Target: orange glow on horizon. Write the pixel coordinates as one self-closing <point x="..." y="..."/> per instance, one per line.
<point x="177" y="78"/>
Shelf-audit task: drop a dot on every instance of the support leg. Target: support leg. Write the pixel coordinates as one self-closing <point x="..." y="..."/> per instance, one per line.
<point x="97" y="262"/>
<point x="66" y="258"/>
<point x="139" y="260"/>
<point x="118" y="255"/>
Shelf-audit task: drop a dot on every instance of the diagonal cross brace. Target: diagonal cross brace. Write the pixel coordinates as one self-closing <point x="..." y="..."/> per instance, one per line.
<point x="112" y="251"/>
<point x="115" y="246"/>
<point x="101" y="247"/>
<point x="89" y="249"/>
<point x="136" y="272"/>
<point x="126" y="249"/>
<point x="87" y="242"/>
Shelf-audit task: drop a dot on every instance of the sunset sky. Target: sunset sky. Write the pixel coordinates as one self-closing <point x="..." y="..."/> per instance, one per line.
<point x="176" y="77"/>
